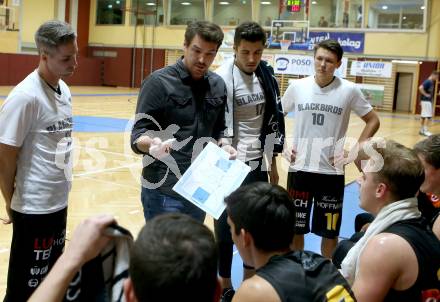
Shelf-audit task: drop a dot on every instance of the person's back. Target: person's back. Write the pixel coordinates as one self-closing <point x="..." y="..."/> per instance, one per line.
<point x="262" y="220"/>
<point x="427" y="250"/>
<point x="305" y="276"/>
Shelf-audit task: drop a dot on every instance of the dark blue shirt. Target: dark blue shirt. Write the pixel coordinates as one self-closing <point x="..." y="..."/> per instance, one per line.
<point x="428" y="86"/>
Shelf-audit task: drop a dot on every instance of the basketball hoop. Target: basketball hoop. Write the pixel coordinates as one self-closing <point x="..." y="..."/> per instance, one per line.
<point x="285" y="44"/>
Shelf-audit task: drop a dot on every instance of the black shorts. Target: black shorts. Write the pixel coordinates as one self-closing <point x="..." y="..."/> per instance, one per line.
<point x="327" y="194"/>
<point x="37" y="242"/>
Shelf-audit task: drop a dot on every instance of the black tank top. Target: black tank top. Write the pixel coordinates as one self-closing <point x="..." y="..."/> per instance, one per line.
<point x="303" y="276"/>
<point x="427" y="249"/>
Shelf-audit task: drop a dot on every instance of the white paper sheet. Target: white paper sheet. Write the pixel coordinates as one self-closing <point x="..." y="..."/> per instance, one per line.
<point x="210" y="178"/>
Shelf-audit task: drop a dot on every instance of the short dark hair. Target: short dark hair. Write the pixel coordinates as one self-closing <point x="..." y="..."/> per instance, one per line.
<point x="174" y="259"/>
<point x="402" y="170"/>
<point x="429" y="149"/>
<point x="266" y="212"/>
<point x="52" y="34"/>
<point x="208" y="31"/>
<point x="249" y="31"/>
<point x="332" y="46"/>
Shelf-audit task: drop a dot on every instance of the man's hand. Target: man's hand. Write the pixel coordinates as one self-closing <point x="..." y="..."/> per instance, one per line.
<point x="289" y="154"/>
<point x="160" y="149"/>
<point x="231" y="151"/>
<point x="339" y="161"/>
<point x="88" y="239"/>
<point x="8" y="219"/>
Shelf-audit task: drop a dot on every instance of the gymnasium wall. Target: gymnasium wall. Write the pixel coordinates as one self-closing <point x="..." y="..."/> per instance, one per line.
<point x="434" y="31"/>
<point x="18" y="66"/>
<point x="33" y="13"/>
<point x="116" y="70"/>
<point x="9" y="41"/>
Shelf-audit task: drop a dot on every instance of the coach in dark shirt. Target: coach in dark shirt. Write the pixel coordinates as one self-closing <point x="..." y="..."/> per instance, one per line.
<point x="180" y="107"/>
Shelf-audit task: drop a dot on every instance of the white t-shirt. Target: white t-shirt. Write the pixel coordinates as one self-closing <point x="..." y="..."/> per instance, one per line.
<point x="37" y="119"/>
<point x="321" y="120"/>
<point x="249" y="106"/>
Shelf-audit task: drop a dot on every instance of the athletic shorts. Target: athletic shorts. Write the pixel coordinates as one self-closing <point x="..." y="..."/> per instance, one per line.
<point x="326" y="192"/>
<point x="37" y="242"/>
<point x="426" y="109"/>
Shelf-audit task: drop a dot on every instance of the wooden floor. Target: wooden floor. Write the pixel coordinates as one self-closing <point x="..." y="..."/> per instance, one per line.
<point x="106" y="174"/>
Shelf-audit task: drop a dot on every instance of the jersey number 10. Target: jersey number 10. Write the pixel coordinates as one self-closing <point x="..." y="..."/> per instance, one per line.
<point x="318" y="119"/>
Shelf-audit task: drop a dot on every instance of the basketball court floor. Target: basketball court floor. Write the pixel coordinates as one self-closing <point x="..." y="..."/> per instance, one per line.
<point x="107" y="173"/>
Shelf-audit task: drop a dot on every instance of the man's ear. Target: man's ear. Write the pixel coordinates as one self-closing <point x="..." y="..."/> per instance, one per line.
<point x="129" y="291"/>
<point x="381" y="189"/>
<point x="247" y="237"/>
<point x="43" y="55"/>
<point x="339" y="64"/>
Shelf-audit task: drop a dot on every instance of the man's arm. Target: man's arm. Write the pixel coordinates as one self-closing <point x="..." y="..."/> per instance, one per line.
<point x="381" y="265"/>
<point x="273" y="173"/>
<point x="220" y="128"/>
<point x="256" y="289"/>
<point x="148" y="112"/>
<point x="287" y="100"/>
<point x="423" y="91"/>
<point x="372" y="124"/>
<point x="8" y="164"/>
<point x="87" y="242"/>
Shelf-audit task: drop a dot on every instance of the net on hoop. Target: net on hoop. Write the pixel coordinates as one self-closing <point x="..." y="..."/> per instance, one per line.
<point x="285" y="44"/>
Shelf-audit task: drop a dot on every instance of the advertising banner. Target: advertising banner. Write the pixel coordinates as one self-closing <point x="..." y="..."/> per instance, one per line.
<point x="350" y="42"/>
<point x="371" y="69"/>
<point x="303" y="65"/>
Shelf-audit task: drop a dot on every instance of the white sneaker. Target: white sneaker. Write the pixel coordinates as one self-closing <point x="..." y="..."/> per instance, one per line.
<point x="427" y="133"/>
<point x="422" y="132"/>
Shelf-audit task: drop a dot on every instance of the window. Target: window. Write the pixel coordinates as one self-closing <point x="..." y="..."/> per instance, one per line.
<point x="336" y="13"/>
<point x="110" y="12"/>
<point x="269" y="10"/>
<point x="232" y="12"/>
<point x="9" y="18"/>
<point x="183" y="12"/>
<point x="391" y="14"/>
<point x="146" y="12"/>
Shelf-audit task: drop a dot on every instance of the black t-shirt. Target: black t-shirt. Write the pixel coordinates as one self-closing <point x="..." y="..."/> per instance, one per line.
<point x="304" y="276"/>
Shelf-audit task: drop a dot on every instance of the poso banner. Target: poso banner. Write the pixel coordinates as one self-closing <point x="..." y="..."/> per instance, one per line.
<point x="371" y="69"/>
<point x="350" y="42"/>
<point x="303" y="65"/>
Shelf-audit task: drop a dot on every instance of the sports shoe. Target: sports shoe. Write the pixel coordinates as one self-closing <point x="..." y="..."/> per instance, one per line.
<point x="227" y="295"/>
<point x="427" y="133"/>
<point x="422" y="132"/>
